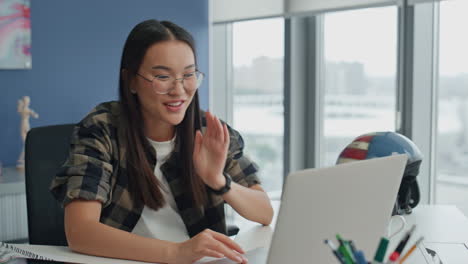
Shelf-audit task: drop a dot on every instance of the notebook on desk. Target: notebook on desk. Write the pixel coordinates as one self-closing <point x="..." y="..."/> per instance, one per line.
<point x="354" y="200"/>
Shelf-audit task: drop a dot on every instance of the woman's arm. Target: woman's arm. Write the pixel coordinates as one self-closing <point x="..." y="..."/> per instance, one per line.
<point x="209" y="157"/>
<point x="252" y="203"/>
<point x="87" y="235"/>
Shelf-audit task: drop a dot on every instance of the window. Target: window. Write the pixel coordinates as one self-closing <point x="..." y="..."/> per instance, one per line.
<point x="356" y="52"/>
<point x="258" y="112"/>
<point x="451" y="185"/>
<point x="359" y="77"/>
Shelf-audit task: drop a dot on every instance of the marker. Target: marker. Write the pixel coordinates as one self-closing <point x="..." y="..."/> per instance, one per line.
<point x="396" y="254"/>
<point x="411" y="250"/>
<point x="360" y="258"/>
<point x="353" y="249"/>
<point x="335" y="251"/>
<point x="345" y="250"/>
<point x="358" y="254"/>
<point x="381" y="250"/>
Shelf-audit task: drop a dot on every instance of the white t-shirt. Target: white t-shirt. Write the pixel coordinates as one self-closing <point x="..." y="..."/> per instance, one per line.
<point x="165" y="223"/>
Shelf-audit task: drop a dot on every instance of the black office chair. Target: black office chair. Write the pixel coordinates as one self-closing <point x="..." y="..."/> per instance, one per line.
<point x="46" y="150"/>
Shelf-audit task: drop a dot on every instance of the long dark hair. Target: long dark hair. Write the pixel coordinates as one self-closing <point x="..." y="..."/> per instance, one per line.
<point x="143" y="184"/>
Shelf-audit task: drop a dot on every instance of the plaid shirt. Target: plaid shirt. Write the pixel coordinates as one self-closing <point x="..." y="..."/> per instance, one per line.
<point x="96" y="170"/>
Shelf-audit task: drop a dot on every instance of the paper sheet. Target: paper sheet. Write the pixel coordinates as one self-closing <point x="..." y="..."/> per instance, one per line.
<point x="62" y="254"/>
<point x="258" y="255"/>
<point x="54" y="253"/>
<point x="445" y="253"/>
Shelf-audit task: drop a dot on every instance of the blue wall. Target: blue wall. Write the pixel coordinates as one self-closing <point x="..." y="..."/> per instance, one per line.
<point x="76" y="50"/>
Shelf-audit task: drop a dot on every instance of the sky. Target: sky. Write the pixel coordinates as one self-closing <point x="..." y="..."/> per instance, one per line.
<point x="251" y="39"/>
<point x="368" y="36"/>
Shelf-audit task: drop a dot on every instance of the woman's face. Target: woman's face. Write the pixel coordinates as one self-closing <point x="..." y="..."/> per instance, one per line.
<point x="172" y="59"/>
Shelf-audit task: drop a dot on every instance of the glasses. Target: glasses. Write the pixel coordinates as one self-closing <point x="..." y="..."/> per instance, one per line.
<point x="163" y="84"/>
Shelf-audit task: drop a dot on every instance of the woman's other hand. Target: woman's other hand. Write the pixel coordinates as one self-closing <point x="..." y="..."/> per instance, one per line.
<point x="210" y="152"/>
<point x="208" y="244"/>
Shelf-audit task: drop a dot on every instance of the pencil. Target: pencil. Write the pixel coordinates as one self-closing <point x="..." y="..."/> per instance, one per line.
<point x="411" y="250"/>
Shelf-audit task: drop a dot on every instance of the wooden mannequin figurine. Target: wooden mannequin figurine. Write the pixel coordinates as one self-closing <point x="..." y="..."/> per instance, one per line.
<point x="25" y="112"/>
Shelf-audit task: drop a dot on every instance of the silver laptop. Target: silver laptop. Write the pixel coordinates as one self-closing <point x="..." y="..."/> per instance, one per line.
<point x="353" y="199"/>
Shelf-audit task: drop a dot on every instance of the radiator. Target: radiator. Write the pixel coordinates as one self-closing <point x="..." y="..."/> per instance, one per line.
<point x="13" y="217"/>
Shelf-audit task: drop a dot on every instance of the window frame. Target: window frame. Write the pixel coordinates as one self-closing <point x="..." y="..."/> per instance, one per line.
<point x="416" y="86"/>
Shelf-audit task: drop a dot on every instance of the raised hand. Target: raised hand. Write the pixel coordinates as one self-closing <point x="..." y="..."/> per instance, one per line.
<point x="210" y="152"/>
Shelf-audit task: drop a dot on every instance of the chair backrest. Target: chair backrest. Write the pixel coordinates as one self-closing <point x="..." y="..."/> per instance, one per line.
<point x="46" y="150"/>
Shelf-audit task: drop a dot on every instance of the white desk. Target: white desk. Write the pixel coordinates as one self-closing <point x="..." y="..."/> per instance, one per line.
<point x="442" y="225"/>
<point x="445" y="229"/>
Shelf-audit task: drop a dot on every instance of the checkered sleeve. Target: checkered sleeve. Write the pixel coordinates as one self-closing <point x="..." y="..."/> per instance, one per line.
<point x="241" y="169"/>
<point x="87" y="171"/>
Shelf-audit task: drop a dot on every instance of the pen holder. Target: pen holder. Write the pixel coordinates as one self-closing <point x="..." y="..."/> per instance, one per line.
<point x="398" y="229"/>
<point x="348" y="253"/>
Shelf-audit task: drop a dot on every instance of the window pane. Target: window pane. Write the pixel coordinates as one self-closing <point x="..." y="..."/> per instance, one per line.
<point x="360" y="49"/>
<point x="258" y="94"/>
<point x="452" y="129"/>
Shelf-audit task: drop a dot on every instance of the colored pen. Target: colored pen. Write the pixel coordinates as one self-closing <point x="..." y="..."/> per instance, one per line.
<point x="345" y="250"/>
<point x="360" y="258"/>
<point x="335" y="251"/>
<point x="411" y="250"/>
<point x="354" y="251"/>
<point x="381" y="250"/>
<point x="358" y="254"/>
<point x="396" y="254"/>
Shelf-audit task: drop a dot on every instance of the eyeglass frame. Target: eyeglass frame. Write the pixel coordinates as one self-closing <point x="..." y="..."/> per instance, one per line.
<point x="174" y="80"/>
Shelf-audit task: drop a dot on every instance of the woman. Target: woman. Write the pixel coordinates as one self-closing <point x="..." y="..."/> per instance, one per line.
<point x="148" y="176"/>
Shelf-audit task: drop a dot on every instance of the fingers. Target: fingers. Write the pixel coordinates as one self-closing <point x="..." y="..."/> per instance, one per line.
<point x="198" y="141"/>
<point x="213" y="244"/>
<point x="210" y="125"/>
<point x="219" y="130"/>
<point x="212" y="253"/>
<point x="229" y="253"/>
<point x="226" y="135"/>
<point x="227" y="241"/>
<point x="214" y="128"/>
